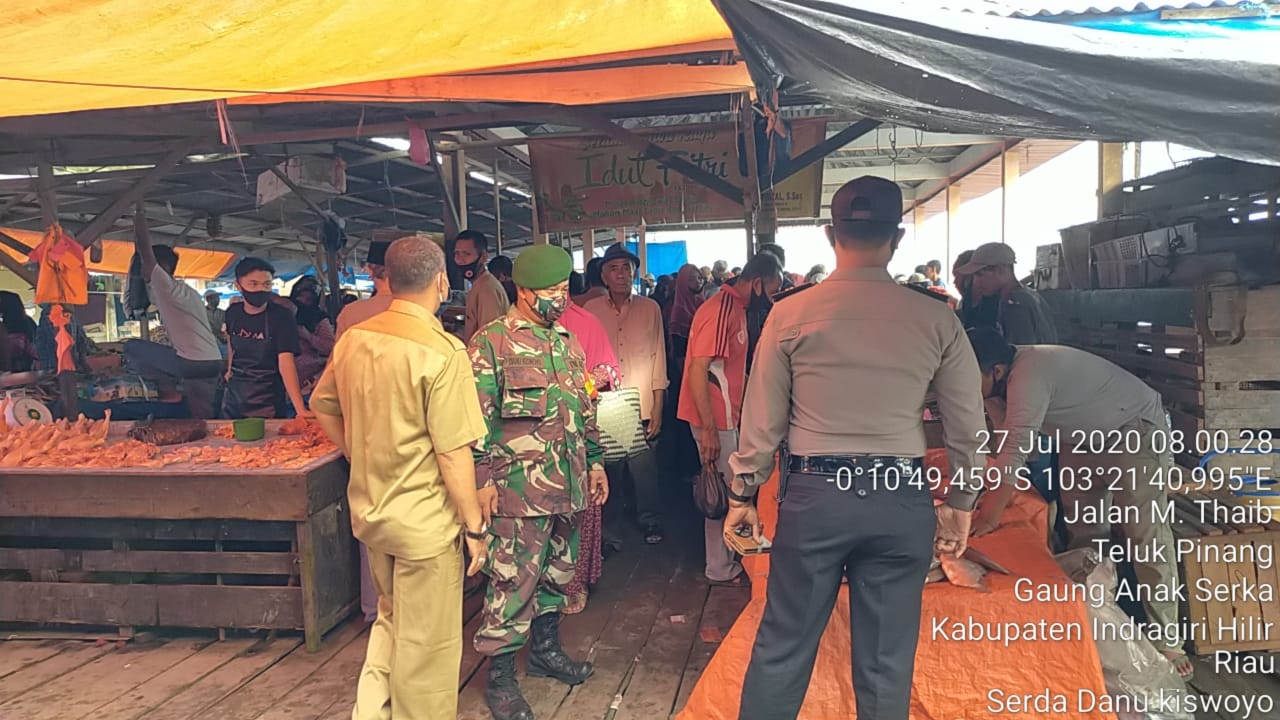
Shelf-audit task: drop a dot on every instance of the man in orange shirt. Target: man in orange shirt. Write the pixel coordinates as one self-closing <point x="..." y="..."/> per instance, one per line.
<point x="714" y="383"/>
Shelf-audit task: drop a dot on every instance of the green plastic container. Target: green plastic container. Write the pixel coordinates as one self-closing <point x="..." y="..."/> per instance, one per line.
<point x="249" y="429"/>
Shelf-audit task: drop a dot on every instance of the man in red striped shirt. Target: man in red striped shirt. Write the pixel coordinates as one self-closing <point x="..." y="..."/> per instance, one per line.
<point x="715" y="380"/>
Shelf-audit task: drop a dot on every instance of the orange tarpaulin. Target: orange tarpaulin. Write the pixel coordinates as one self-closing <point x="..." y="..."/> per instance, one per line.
<point x="193" y="263"/>
<point x="952" y="678"/>
<point x="566" y="87"/>
<point x="128" y="53"/>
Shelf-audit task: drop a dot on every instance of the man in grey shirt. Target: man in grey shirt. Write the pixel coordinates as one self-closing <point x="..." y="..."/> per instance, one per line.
<point x="1112" y="433"/>
<point x="1023" y="316"/>
<point x="840" y="373"/>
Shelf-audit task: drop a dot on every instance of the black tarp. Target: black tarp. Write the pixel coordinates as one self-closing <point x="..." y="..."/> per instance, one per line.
<point x="950" y="71"/>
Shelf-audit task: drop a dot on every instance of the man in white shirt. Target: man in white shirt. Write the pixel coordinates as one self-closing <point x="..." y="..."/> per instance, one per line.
<point x="194" y="359"/>
<point x="1113" y="439"/>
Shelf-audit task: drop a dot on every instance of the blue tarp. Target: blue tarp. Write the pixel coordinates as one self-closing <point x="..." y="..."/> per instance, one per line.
<point x="662" y="258"/>
<point x="1150" y="23"/>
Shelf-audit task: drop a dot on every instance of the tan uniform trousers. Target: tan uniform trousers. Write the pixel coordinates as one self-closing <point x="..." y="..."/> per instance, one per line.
<point x="415" y="647"/>
<point x="1143" y="494"/>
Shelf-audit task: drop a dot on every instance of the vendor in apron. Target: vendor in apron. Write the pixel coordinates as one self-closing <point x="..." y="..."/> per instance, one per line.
<point x="262" y="347"/>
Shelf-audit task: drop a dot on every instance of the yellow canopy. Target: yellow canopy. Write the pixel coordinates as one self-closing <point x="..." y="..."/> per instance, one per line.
<point x="67" y="55"/>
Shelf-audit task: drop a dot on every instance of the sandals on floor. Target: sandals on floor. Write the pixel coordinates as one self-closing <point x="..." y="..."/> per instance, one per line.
<point x="577" y="603"/>
<point x="653" y="534"/>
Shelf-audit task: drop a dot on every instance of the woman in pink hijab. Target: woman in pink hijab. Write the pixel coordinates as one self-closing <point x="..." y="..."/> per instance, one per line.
<point x="602" y="364"/>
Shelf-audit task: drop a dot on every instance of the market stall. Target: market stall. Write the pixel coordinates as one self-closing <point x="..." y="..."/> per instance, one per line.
<point x="953" y="676"/>
<point x="110" y="524"/>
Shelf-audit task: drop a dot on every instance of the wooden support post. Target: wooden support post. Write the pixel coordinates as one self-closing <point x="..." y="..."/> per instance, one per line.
<point x="539" y="238"/>
<point x="1110" y="172"/>
<point x="48" y="198"/>
<point x="953" y="207"/>
<point x="588" y="247"/>
<point x="620" y="235"/>
<point x="1010" y="170"/>
<point x="459" y="162"/>
<point x="642" y="251"/>
<point x="101" y="224"/>
<point x="917" y="220"/>
<point x="497" y="204"/>
<point x="751" y="192"/>
<point x="444" y="179"/>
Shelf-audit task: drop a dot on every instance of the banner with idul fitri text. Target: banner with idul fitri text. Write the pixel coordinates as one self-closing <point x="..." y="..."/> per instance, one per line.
<point x="584" y="183"/>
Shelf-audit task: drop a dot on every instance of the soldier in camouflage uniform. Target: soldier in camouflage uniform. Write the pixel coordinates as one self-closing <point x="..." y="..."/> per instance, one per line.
<point x="537" y="468"/>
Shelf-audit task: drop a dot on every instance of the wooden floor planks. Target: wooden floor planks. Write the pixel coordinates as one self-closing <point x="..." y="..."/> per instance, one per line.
<point x="227" y="679"/>
<point x="626" y="630"/>
<point x="78" y="693"/>
<point x="150" y="694"/>
<point x="17" y="654"/>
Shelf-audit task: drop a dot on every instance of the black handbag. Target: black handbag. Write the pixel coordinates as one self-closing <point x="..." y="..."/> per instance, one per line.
<point x="710" y="494"/>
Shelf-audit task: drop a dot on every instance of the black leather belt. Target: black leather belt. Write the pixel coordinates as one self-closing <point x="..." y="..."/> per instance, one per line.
<point x="831" y="464"/>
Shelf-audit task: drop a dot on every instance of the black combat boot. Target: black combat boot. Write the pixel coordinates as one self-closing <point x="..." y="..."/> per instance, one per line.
<point x="547" y="658"/>
<point x="503" y="694"/>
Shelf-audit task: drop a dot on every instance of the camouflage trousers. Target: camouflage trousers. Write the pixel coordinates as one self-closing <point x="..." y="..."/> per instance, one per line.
<point x="531" y="561"/>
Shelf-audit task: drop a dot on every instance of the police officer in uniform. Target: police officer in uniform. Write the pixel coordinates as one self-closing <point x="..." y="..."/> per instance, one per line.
<point x="840" y="375"/>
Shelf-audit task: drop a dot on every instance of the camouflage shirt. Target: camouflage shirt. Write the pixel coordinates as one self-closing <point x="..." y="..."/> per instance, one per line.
<point x="538" y="404"/>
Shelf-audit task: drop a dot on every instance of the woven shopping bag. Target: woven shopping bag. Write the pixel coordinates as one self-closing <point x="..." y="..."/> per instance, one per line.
<point x="618" y="418"/>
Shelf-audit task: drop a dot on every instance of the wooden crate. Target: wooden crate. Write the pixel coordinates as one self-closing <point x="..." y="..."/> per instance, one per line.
<point x="1218" y="396"/>
<point x="209" y="548"/>
<point x="1257" y="622"/>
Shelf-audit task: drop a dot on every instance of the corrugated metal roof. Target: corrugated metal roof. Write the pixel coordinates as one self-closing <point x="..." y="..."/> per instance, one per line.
<point x="1051" y="8"/>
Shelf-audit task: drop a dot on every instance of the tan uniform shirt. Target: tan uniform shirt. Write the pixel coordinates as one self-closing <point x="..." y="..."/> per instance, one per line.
<point x="486" y="301"/>
<point x="1060" y="390"/>
<point x="405" y="392"/>
<point x="636" y="333"/>
<point x="842" y="368"/>
<point x="361" y="310"/>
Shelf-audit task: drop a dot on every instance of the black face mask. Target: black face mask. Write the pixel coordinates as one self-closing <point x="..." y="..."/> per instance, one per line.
<point x="469" y="272"/>
<point x="256" y="298"/>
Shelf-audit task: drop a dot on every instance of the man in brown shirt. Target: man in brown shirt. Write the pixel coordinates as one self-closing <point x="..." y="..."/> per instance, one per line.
<point x="487" y="299"/>
<point x="634" y="325"/>
<point x="840" y="374"/>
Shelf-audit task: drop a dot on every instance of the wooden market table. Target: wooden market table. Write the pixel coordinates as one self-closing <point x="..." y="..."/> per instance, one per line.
<point x="192" y="546"/>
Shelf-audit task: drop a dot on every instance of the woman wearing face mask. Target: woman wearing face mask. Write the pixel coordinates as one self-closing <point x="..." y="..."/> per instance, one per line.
<point x="263" y="349"/>
<point x="315" y="333"/>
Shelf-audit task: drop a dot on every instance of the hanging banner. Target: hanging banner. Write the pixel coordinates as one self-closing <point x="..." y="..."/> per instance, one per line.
<point x="597" y="182"/>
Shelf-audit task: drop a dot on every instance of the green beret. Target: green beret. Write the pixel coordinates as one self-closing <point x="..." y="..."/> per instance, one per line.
<point x="541" y="266"/>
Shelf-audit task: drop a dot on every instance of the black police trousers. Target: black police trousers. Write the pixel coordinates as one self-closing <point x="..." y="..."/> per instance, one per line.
<point x="881" y="540"/>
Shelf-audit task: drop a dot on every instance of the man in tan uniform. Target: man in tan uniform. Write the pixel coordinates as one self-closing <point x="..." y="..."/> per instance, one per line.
<point x="840" y="374"/>
<point x="487" y="299"/>
<point x="412" y="489"/>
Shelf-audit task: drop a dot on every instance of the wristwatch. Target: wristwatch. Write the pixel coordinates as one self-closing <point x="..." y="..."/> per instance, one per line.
<point x="481" y="535"/>
<point x="746" y="484"/>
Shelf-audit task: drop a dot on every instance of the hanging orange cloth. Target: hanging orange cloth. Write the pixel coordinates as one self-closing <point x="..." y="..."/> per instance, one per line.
<point x="64" y="277"/>
<point x="60" y="318"/>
